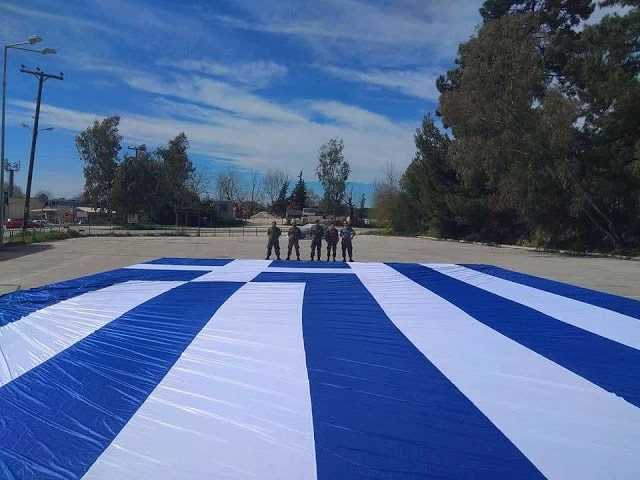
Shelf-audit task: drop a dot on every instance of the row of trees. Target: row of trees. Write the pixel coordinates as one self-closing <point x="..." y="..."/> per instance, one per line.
<point x="545" y="133"/>
<point x="332" y="172"/>
<point x="156" y="183"/>
<point x="153" y="183"/>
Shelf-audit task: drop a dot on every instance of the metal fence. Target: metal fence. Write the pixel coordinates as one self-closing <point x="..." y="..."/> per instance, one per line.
<point x="148" y="230"/>
<point x="153" y="230"/>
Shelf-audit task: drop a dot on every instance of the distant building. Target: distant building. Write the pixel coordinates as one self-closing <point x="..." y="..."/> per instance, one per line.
<point x="15" y="209"/>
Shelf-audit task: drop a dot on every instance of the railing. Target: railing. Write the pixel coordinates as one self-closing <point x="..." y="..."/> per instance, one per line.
<point x="156" y="230"/>
<point x="148" y="230"/>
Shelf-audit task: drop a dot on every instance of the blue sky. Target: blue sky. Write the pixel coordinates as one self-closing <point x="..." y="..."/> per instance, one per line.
<point x="257" y="84"/>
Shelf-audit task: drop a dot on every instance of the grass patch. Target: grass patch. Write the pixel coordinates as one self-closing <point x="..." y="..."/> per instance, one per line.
<point x="35" y="236"/>
<point x="127" y="233"/>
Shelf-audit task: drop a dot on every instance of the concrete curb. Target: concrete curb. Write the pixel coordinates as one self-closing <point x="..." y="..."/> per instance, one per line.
<point x="533" y="249"/>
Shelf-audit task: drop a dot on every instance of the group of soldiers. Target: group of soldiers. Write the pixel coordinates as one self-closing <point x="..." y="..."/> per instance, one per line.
<point x="318" y="232"/>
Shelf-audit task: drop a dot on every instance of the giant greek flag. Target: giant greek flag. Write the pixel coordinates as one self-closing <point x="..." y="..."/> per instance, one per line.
<point x="247" y="369"/>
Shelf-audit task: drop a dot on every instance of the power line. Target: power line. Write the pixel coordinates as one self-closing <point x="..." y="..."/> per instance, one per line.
<point x="42" y="77"/>
<point x="141" y="148"/>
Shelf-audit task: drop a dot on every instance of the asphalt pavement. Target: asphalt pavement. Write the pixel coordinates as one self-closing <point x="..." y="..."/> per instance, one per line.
<point x="28" y="266"/>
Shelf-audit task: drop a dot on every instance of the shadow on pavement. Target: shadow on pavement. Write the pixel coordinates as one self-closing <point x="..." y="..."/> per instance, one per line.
<point x="13" y="251"/>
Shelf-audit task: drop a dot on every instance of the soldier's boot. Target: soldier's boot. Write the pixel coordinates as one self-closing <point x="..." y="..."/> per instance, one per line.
<point x="350" y="259"/>
<point x="288" y="257"/>
<point x="344" y="259"/>
<point x="267" y="258"/>
<point x="298" y="258"/>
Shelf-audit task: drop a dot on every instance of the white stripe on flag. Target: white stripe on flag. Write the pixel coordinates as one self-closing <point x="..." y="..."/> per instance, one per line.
<point x="34" y="339"/>
<point x="566" y="426"/>
<point x="236" y="271"/>
<point x="162" y="266"/>
<point x="235" y="405"/>
<point x="606" y="323"/>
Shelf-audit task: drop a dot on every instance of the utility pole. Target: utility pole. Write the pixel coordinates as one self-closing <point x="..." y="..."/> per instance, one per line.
<point x="42" y="76"/>
<point x="141" y="148"/>
<point x="12" y="168"/>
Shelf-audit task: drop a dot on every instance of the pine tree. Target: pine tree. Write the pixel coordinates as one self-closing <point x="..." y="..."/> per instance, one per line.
<point x="299" y="196"/>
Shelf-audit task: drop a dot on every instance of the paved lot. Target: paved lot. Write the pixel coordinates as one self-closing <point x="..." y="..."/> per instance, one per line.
<point x="34" y="265"/>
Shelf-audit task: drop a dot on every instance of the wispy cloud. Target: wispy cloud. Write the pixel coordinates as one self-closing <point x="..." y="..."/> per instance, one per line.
<point x="57" y="17"/>
<point x="352" y="116"/>
<point x="371" y="140"/>
<point x="418" y="83"/>
<point x="251" y="74"/>
<point x="394" y="33"/>
<point x="213" y="93"/>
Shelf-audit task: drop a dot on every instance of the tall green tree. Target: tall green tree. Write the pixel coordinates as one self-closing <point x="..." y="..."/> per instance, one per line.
<point x="333" y="172"/>
<point x="178" y="180"/>
<point x="545" y="124"/>
<point x="299" y="195"/>
<point x="98" y="147"/>
<point x="432" y="185"/>
<point x="604" y="172"/>
<point x="137" y="185"/>
<point x="512" y="131"/>
<point x="177" y="165"/>
<point x="556" y="14"/>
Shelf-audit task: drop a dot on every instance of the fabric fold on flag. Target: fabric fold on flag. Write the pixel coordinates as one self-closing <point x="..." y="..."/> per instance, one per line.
<point x="182" y="368"/>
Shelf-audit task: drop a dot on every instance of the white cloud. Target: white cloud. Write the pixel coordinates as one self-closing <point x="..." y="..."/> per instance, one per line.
<point x="418" y="83"/>
<point x="394" y="33"/>
<point x="206" y="91"/>
<point x="254" y="75"/>
<point x="371" y="140"/>
<point x="600" y="12"/>
<point x="56" y="17"/>
<point x="350" y="115"/>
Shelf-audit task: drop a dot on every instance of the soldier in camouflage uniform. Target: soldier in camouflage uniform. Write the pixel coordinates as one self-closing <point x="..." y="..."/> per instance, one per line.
<point x="294" y="235"/>
<point x="347" y="234"/>
<point x="332" y="240"/>
<point x="274" y="240"/>
<point x="317" y="233"/>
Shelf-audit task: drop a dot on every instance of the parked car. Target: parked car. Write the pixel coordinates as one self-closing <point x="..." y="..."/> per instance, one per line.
<point x="13" y="223"/>
<point x="307" y="228"/>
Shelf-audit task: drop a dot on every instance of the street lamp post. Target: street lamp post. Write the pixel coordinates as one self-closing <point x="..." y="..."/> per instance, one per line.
<point x="32" y="40"/>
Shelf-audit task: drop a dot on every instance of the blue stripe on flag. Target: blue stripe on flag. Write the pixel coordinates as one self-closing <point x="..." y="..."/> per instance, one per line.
<point x="380" y="408"/>
<point x="59" y="417"/>
<point x="608" y="364"/>
<point x="14" y="306"/>
<point x="615" y="303"/>
<point x="214" y="262"/>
